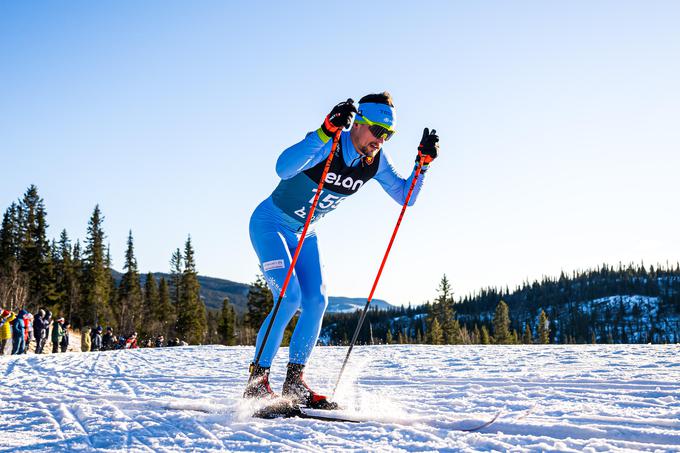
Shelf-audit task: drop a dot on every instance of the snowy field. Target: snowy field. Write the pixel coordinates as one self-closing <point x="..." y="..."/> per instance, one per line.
<point x="551" y="398"/>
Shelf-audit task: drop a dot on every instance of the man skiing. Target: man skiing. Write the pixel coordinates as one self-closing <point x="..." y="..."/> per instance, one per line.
<point x="278" y="221"/>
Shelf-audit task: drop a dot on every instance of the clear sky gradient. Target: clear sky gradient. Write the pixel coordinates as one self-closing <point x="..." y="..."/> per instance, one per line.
<point x="560" y="143"/>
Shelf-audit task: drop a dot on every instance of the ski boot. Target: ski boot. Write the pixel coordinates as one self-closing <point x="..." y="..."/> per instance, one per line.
<point x="295" y="388"/>
<point x="258" y="384"/>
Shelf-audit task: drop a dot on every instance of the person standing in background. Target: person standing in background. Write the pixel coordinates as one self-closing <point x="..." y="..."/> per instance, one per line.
<point x="57" y="334"/>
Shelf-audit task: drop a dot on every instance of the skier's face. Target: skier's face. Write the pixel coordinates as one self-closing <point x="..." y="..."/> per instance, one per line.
<point x="364" y="141"/>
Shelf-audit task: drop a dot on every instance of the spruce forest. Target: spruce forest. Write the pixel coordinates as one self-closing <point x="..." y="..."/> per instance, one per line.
<point x="622" y="304"/>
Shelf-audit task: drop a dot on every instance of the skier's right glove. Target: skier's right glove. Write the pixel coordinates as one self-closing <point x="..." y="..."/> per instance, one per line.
<point x="339" y="118"/>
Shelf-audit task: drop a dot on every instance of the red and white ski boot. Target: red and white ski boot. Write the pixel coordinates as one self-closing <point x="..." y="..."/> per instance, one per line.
<point x="295" y="388"/>
<point x="258" y="384"/>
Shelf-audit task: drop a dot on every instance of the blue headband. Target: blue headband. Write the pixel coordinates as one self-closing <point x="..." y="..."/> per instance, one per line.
<point x="382" y="114"/>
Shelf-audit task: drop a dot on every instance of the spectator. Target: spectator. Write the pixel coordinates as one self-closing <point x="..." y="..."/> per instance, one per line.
<point x="28" y="331"/>
<point x="131" y="342"/>
<point x="97" y="339"/>
<point x="57" y="334"/>
<point x="120" y="343"/>
<point x="159" y="341"/>
<point x="65" y="339"/>
<point x="18" y="329"/>
<point x="85" y="340"/>
<point x="39" y="331"/>
<point x="6" y="318"/>
<point x="109" y="340"/>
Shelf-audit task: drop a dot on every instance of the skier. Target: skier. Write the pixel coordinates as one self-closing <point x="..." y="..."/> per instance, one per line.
<point x="275" y="223"/>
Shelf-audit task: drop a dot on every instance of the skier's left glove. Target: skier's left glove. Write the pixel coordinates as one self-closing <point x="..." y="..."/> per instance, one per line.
<point x="428" y="150"/>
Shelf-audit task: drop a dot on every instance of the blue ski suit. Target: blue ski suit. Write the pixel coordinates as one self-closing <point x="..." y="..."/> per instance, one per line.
<point x="276" y="224"/>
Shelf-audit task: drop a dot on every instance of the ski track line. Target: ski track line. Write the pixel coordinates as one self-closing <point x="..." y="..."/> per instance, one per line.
<point x="10" y="367"/>
<point x="564" y="431"/>
<point x="350" y="430"/>
<point x="176" y="428"/>
<point x="262" y="434"/>
<point x="129" y="432"/>
<point x="45" y="410"/>
<point x="206" y="432"/>
<point x="95" y="363"/>
<point x="78" y="422"/>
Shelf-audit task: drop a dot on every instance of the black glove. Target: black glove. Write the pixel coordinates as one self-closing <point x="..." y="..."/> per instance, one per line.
<point x="429" y="147"/>
<point x="339" y="118"/>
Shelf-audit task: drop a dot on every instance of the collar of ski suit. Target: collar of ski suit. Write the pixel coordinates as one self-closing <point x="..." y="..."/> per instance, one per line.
<point x="350" y="155"/>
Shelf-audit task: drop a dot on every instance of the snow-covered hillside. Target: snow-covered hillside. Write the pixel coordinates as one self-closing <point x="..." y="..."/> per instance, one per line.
<point x="551" y="398"/>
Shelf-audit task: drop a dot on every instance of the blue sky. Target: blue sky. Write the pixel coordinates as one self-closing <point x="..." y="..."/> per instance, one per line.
<point x="558" y="125"/>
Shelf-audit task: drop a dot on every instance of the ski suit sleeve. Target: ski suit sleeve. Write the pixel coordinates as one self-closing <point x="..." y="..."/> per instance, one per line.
<point x="303" y="155"/>
<point x="396" y="186"/>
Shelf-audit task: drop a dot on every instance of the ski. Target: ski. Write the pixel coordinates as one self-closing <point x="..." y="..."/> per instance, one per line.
<point x="285" y="408"/>
<point x="483" y="425"/>
<point x="293" y="411"/>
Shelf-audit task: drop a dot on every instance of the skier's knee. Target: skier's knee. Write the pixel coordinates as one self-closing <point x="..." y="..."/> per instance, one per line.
<point x="316" y="303"/>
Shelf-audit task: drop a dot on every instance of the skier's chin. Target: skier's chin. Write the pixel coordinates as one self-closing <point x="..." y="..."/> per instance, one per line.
<point x="370" y="150"/>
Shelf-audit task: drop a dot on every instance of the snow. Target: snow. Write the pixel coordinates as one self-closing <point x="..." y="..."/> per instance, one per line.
<point x="551" y="398"/>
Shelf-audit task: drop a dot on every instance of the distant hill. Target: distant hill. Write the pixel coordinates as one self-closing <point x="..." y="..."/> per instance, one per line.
<point x="214" y="290"/>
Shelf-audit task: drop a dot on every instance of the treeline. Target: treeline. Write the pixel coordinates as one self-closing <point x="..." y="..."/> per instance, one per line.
<point x="593" y="306"/>
<point x="228" y="328"/>
<point x="75" y="281"/>
<point x="433" y="323"/>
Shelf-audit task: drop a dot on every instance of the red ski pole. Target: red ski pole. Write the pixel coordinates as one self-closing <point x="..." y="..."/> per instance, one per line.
<point x="310" y="215"/>
<point x="382" y="265"/>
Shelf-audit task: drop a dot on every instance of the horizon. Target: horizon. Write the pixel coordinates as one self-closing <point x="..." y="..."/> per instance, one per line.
<point x="559" y="146"/>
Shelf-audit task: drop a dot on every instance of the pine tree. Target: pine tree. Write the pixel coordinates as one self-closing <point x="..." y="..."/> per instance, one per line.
<point x="96" y="309"/>
<point x="191" y="315"/>
<point x="260" y="303"/>
<point x="484" y="338"/>
<point x="14" y="283"/>
<point x="35" y="252"/>
<point x="436" y="335"/>
<point x="528" y="336"/>
<point x="176" y="278"/>
<point x="165" y="313"/>
<point x="226" y="326"/>
<point x="543" y="328"/>
<point x="151" y="326"/>
<point x="445" y="313"/>
<point x="129" y="296"/>
<point x="501" y="324"/>
<point x="211" y="333"/>
<point x="476" y="335"/>
<point x="10" y="237"/>
<point x="68" y="275"/>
